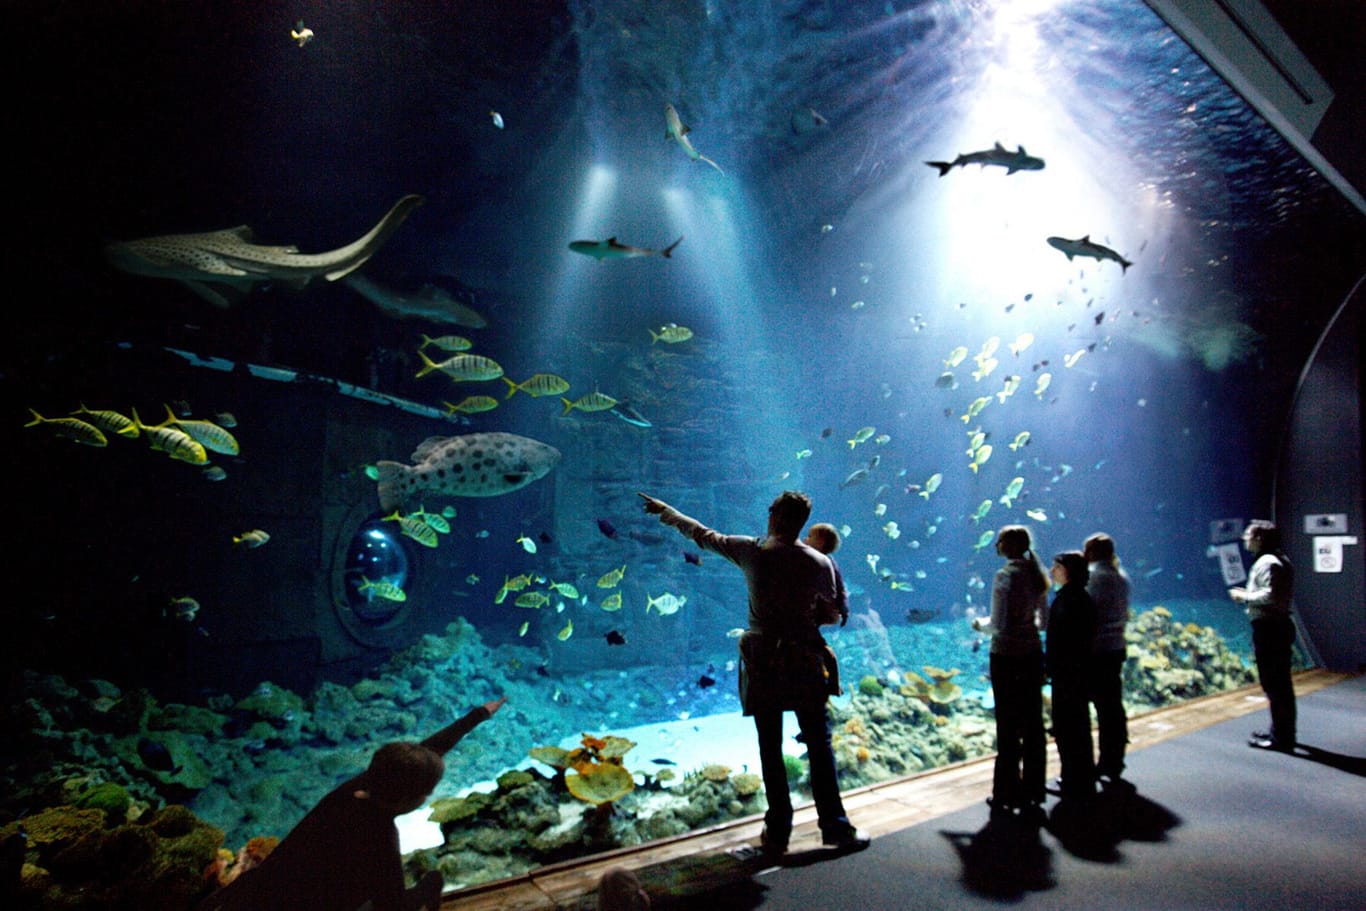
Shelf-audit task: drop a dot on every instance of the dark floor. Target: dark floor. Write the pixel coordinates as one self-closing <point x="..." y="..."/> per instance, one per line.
<point x="1214" y="824"/>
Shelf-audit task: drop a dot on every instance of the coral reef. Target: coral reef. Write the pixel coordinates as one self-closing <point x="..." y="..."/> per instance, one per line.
<point x="103" y="759"/>
<point x="1170" y="661"/>
<point x="76" y="861"/>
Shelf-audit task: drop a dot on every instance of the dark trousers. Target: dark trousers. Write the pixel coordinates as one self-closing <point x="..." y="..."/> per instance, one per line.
<point x="825" y="789"/>
<point x="1105" y="689"/>
<point x="1072" y="730"/>
<point x="1017" y="682"/>
<point x="1272" y="640"/>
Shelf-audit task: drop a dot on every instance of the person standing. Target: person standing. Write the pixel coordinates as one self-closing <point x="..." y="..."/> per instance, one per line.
<point x="1071" y="634"/>
<point x="782" y="668"/>
<point x="1019" y="609"/>
<point x="1270" y="589"/>
<point x="1108" y="587"/>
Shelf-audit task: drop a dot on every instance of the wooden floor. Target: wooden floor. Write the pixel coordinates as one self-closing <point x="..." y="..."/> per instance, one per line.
<point x="702" y="860"/>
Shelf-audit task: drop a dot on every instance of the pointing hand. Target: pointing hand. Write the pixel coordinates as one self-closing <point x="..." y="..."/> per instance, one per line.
<point x="652" y="506"/>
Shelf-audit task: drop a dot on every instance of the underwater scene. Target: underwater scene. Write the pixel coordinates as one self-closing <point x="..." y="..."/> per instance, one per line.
<point x="362" y="326"/>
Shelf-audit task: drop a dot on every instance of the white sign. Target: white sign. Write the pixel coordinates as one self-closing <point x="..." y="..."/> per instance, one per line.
<point x="1328" y="552"/>
<point x="1231" y="564"/>
<point x="1329" y="523"/>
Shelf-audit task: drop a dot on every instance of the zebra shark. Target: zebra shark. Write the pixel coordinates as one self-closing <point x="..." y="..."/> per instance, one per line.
<point x="222" y="266"/>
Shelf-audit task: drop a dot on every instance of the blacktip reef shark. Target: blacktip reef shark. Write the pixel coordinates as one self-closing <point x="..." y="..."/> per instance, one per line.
<point x="998" y="155"/>
<point x="222" y="266"/>
<point x="610" y="249"/>
<point x="1084" y="246"/>
<point x="675" y="130"/>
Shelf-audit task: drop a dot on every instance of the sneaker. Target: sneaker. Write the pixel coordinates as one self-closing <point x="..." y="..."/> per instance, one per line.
<point x="999" y="808"/>
<point x="1263" y="742"/>
<point x="846" y="839"/>
<point x="772" y="845"/>
<point x="1113" y="784"/>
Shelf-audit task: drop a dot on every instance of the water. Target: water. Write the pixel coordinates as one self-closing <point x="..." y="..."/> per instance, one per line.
<point x="827" y="277"/>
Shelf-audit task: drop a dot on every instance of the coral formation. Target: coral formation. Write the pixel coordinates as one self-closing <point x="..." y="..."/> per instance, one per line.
<point x="240" y="761"/>
<point x="599" y="783"/>
<point x="75" y="861"/>
<point x="869" y="685"/>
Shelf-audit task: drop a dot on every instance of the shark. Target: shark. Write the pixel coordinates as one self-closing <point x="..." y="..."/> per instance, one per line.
<point x="430" y="303"/>
<point x="675" y="130"/>
<point x="1084" y="246"/>
<point x="222" y="266"/>
<point x="998" y="155"/>
<point x="610" y="249"/>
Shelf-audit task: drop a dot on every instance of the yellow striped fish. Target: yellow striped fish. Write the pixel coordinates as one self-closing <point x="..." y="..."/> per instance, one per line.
<point x="177" y="444"/>
<point x="463" y="367"/>
<point x="73" y="429"/>
<point x="387" y="590"/>
<point x="593" y="401"/>
<point x="538" y="385"/>
<point x="472" y="404"/>
<point x="451" y="343"/>
<point x="107" y="421"/>
<point x="205" y="433"/>
<point x="414" y="528"/>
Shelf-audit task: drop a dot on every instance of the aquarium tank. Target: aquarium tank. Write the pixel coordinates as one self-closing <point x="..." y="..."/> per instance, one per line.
<point x="351" y="332"/>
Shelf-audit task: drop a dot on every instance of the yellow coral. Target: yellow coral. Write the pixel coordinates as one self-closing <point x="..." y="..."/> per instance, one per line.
<point x="715" y="772"/>
<point x="747" y="784"/>
<point x="862" y="754"/>
<point x="600" y="783"/>
<point x="945" y="691"/>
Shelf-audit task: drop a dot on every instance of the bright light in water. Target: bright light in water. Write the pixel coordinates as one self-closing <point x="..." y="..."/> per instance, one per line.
<point x="980" y="232"/>
<point x="590" y="209"/>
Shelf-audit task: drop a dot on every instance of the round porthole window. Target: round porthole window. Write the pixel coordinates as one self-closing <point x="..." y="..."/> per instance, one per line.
<point x="376" y="573"/>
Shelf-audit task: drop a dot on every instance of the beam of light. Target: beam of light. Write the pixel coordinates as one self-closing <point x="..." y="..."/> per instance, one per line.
<point x="726" y="286"/>
<point x="589" y="210"/>
<point x="983" y="230"/>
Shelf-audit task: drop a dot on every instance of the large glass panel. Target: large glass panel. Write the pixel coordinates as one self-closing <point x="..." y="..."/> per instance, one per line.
<point x="944" y="266"/>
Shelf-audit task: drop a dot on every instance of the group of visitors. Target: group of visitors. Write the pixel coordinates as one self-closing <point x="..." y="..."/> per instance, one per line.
<point x="1081" y="651"/>
<point x="1078" y="645"/>
<point x="794" y="588"/>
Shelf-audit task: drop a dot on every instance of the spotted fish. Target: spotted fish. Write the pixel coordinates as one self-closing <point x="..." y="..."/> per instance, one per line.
<point x="221" y="265"/>
<point x="473" y="465"/>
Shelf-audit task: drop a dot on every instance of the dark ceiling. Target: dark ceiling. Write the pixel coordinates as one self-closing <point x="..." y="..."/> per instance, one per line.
<point x="1332" y="34"/>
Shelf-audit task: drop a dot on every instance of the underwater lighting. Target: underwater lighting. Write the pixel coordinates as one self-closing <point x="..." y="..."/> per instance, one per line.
<point x="987" y="228"/>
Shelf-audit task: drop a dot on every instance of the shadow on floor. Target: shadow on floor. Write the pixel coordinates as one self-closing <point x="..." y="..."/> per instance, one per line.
<point x="1094" y="829"/>
<point x="1004" y="859"/>
<point x="1353" y="765"/>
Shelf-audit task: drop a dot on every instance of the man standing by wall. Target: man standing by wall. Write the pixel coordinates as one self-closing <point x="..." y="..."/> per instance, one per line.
<point x="1270" y="588"/>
